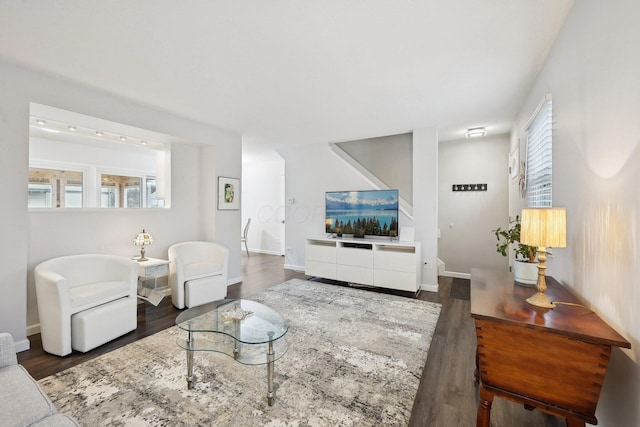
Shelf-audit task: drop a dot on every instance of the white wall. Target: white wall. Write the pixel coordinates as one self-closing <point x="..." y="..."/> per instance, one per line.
<point x="222" y="226"/>
<point x="263" y="202"/>
<point x="425" y="201"/>
<point x="33" y="237"/>
<point x="374" y="155"/>
<point x="466" y="219"/>
<point x="310" y="171"/>
<point x="592" y="73"/>
<point x="108" y="157"/>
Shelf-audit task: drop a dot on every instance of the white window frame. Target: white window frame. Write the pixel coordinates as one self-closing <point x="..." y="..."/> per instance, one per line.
<point x="539" y="155"/>
<point x="143" y="175"/>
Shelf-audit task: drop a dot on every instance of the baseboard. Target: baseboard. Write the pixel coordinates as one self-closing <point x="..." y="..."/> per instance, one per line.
<point x="456" y="275"/>
<point x="33" y="329"/>
<point x="261" y="251"/>
<point x="298" y="268"/>
<point x="429" y="287"/>
<point x="22" y="345"/>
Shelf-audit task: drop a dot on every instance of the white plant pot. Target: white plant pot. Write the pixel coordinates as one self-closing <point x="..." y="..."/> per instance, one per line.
<point x="525" y="272"/>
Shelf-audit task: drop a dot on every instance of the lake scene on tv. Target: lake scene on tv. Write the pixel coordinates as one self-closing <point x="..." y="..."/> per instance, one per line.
<point x="370" y="212"/>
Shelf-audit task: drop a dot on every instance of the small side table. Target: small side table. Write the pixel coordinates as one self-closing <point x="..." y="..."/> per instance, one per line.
<point x="153" y="279"/>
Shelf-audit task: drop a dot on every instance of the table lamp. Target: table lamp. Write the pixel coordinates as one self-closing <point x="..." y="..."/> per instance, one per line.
<point x="543" y="228"/>
<point x="142" y="239"/>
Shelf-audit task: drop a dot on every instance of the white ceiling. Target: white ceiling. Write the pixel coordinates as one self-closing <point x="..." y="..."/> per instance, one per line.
<point x="297" y="71"/>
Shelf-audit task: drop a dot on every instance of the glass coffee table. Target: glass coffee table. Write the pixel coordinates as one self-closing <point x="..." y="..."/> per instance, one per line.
<point x="251" y="333"/>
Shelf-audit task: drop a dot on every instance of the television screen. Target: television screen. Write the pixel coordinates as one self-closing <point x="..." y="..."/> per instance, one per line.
<point x="369" y="212"/>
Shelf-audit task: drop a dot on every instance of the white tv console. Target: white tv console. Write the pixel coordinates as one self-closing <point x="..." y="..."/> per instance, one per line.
<point x="376" y="262"/>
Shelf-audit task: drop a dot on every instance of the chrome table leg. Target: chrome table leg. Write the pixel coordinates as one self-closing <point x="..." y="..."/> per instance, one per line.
<point x="271" y="389"/>
<point x="191" y="378"/>
<point x="237" y="337"/>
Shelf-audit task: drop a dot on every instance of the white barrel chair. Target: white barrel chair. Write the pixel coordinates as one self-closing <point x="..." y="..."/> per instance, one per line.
<point x="85" y="301"/>
<point x="197" y="273"/>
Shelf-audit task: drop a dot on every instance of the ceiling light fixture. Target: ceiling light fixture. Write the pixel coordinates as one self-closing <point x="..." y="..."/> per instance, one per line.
<point x="41" y="122"/>
<point x="123" y="138"/>
<point x="72" y="128"/>
<point x="476" y="132"/>
<point x="143" y="142"/>
<point x="99" y="133"/>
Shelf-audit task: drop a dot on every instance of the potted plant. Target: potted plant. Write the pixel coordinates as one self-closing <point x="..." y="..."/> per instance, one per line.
<point x="524" y="267"/>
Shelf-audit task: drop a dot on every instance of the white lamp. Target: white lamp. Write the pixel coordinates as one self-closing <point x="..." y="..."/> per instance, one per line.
<point x="543" y="228"/>
<point x="142" y="239"/>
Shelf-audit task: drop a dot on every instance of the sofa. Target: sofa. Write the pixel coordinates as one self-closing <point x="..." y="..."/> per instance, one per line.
<point x="197" y="273"/>
<point x="22" y="401"/>
<point x="85" y="301"/>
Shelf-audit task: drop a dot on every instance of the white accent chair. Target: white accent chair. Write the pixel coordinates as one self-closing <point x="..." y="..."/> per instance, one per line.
<point x="85" y="301"/>
<point x="197" y="273"/>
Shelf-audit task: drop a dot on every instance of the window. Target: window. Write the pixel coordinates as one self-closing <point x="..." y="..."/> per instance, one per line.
<point x="120" y="191"/>
<point x="39" y="195"/>
<point x="109" y="197"/>
<point x="73" y="196"/>
<point x="79" y="161"/>
<point x="539" y="156"/>
<point x="152" y="195"/>
<point x="54" y="188"/>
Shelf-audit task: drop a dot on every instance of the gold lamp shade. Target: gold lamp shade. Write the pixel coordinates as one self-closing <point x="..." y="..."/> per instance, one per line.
<point x="142" y="239"/>
<point x="543" y="228"/>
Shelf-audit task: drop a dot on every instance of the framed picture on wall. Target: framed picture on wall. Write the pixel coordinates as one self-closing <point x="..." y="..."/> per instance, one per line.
<point x="514" y="163"/>
<point x="228" y="193"/>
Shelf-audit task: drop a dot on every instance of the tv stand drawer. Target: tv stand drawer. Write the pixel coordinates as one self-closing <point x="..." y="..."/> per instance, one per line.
<point x="361" y="275"/>
<point x="320" y="269"/>
<point x="360" y="257"/>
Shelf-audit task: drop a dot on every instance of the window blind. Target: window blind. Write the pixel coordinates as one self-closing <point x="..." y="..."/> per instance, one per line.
<point x="539" y="150"/>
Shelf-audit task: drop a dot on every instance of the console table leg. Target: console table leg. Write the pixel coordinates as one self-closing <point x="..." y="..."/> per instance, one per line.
<point x="476" y="373"/>
<point x="191" y="379"/>
<point x="271" y="393"/>
<point x="484" y="408"/>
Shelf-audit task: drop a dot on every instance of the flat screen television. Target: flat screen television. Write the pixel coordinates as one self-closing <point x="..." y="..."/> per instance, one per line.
<point x="368" y="212"/>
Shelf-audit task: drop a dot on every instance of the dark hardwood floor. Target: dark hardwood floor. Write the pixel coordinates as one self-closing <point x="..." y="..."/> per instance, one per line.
<point x="447" y="394"/>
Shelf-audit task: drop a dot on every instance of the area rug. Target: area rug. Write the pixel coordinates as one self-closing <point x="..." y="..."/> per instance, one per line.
<point x="355" y="358"/>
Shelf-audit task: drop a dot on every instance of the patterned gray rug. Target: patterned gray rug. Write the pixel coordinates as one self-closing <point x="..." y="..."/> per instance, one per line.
<point x="355" y="359"/>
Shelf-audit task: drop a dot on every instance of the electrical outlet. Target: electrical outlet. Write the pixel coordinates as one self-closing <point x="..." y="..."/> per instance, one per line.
<point x="428" y="264"/>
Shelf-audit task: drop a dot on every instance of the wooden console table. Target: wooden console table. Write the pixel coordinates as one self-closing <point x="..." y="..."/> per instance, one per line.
<point x="553" y="360"/>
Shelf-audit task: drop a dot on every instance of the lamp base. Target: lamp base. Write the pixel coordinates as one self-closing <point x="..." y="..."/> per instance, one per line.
<point x="142" y="257"/>
<point x="539" y="299"/>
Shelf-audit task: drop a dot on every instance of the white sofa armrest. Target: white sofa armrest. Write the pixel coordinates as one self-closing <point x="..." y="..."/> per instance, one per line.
<point x="7" y="350"/>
